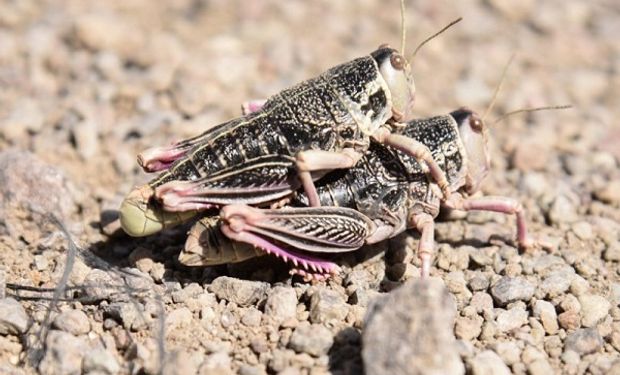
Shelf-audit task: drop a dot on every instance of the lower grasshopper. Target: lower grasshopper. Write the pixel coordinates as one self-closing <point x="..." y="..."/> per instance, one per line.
<point x="385" y="193"/>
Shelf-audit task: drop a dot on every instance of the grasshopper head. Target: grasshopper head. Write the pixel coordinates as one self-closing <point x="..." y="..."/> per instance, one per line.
<point x="474" y="135"/>
<point x="396" y="72"/>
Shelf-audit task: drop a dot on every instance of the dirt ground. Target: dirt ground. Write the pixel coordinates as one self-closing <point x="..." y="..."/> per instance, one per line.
<point x="86" y="85"/>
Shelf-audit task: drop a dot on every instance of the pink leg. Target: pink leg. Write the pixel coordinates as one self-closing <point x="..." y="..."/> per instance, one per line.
<point x="319" y="160"/>
<point x="419" y="151"/>
<point x="157" y="159"/>
<point x="426" y="247"/>
<point x="504" y="205"/>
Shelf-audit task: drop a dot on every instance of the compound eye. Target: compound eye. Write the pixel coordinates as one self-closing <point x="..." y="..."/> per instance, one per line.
<point x="476" y="123"/>
<point x="398" y="61"/>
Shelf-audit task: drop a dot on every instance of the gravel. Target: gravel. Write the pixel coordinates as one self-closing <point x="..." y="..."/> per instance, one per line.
<point x="87" y="87"/>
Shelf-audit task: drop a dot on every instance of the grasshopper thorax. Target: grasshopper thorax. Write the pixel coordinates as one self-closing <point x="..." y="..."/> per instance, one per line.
<point x="396" y="72"/>
<point x="474" y="135"/>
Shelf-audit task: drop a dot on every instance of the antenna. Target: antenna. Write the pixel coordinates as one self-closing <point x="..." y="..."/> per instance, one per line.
<point x="403" y="31"/>
<point x="499" y="87"/>
<point x="529" y="110"/>
<point x="434" y="35"/>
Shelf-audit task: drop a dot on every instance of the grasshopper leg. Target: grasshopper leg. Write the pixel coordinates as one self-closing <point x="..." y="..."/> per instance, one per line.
<point x="425" y="224"/>
<point x="419" y="151"/>
<point x="252" y="106"/>
<point x="319" y="160"/>
<point x="504" y="205"/>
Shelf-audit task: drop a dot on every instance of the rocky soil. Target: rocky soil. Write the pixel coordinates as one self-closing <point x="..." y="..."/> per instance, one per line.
<point x="85" y="86"/>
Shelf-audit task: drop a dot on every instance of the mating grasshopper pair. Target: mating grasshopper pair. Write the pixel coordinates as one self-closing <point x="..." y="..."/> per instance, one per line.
<point x="349" y="130"/>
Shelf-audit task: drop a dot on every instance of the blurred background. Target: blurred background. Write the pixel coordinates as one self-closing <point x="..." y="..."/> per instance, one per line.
<point x="86" y="85"/>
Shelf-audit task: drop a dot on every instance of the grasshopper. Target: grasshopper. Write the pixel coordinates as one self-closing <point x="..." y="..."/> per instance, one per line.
<point x="293" y="139"/>
<point x="387" y="192"/>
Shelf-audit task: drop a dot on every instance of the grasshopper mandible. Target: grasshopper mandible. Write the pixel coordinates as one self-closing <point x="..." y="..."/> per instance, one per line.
<point x="295" y="138"/>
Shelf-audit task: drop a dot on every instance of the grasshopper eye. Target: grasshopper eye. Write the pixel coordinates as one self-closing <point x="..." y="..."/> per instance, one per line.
<point x="476" y="123"/>
<point x="398" y="62"/>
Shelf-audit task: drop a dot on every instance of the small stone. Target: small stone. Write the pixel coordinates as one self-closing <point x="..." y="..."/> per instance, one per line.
<point x="130" y="314"/>
<point x="468" y="328"/>
<point x="612" y="252"/>
<point x="178" y="318"/>
<point x="313" y="339"/>
<point x="252" y="370"/>
<point x="63" y="354"/>
<point x="481" y="302"/>
<point x="409" y="331"/>
<point x="281" y="303"/>
<point x="478" y="283"/>
<point x="488" y="363"/>
<point x="540" y="367"/>
<point x="74" y="322"/>
<point x="252" y="317"/>
<point x="509" y="352"/>
<point x="13" y="318"/>
<point x="583" y="230"/>
<point x="579" y="285"/>
<point x="531" y="354"/>
<point x="563" y="210"/>
<point x="142" y="258"/>
<point x="326" y="305"/>
<point x="241" y="292"/>
<point x="557" y="282"/>
<point x="569" y="320"/>
<point x="100" y="361"/>
<point x="593" y="309"/>
<point x="583" y="341"/>
<point x="609" y="193"/>
<point x="545" y="311"/>
<point x="216" y="363"/>
<point x="511" y="289"/>
<point x="511" y="319"/>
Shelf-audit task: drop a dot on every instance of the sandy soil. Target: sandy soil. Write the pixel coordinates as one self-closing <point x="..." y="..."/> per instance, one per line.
<point x="85" y="86"/>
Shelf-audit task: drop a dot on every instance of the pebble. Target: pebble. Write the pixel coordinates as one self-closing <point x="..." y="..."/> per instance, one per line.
<point x="74" y="322"/>
<point x="179" y="318"/>
<point x="583" y="341"/>
<point x="100" y="361"/>
<point x="63" y="354"/>
<point x="13" y="318"/>
<point x="281" y="303"/>
<point x="593" y="309"/>
<point x="557" y="282"/>
<point x="130" y="314"/>
<point x="313" y="339"/>
<point x="563" y="210"/>
<point x="569" y="320"/>
<point x="508" y="351"/>
<point x="326" y="305"/>
<point x="468" y="328"/>
<point x="612" y="252"/>
<point x="488" y="363"/>
<point x="241" y="292"/>
<point x="583" y="230"/>
<point x="410" y="331"/>
<point x="509" y="320"/>
<point x="481" y="302"/>
<point x="540" y="367"/>
<point x="545" y="312"/>
<point x="252" y="317"/>
<point x="609" y="193"/>
<point x="27" y="181"/>
<point x="511" y="289"/>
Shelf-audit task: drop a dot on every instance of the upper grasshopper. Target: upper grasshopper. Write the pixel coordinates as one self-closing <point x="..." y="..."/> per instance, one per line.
<point x="295" y="138"/>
